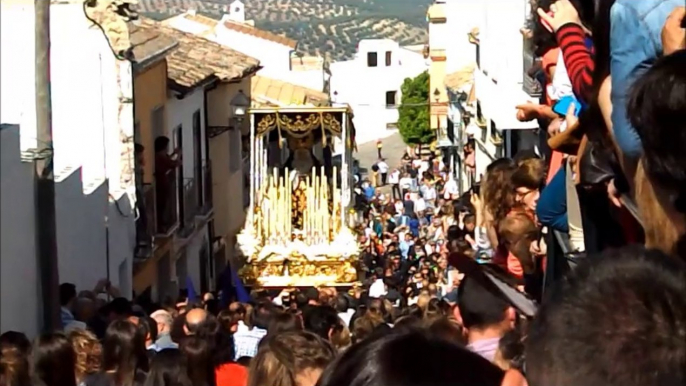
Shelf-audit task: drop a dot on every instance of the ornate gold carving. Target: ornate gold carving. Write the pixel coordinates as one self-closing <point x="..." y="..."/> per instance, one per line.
<point x="330" y="122"/>
<point x="299" y="124"/>
<point x="267" y="123"/>
<point x="299" y="272"/>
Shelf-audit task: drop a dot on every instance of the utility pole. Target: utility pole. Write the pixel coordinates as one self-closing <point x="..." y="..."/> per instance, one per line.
<point x="46" y="230"/>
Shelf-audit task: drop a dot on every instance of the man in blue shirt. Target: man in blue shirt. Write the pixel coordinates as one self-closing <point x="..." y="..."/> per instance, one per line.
<point x="369" y="190"/>
<point x="635" y="44"/>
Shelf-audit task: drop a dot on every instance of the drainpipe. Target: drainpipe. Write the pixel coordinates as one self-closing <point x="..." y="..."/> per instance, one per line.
<point x="46" y="228"/>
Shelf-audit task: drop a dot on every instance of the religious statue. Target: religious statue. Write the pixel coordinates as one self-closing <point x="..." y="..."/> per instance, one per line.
<point x="301" y="158"/>
<point x="299" y="202"/>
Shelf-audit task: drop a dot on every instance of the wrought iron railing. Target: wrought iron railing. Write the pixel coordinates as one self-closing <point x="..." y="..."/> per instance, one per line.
<point x="206" y="196"/>
<point x="145" y="223"/>
<point x="167" y="203"/>
<point x="190" y="205"/>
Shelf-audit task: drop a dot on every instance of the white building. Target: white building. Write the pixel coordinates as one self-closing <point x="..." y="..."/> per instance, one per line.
<point x="92" y="124"/>
<point x="186" y="129"/>
<point x="276" y="53"/>
<point x="370" y="83"/>
<point x="485" y="34"/>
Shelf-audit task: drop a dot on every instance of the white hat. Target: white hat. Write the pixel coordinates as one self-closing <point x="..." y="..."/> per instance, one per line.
<point x="377" y="289"/>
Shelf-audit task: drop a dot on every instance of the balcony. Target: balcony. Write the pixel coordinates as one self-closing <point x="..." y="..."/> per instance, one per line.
<point x="145" y="223"/>
<point x="167" y="204"/>
<point x="190" y="207"/>
<point x="205" y="190"/>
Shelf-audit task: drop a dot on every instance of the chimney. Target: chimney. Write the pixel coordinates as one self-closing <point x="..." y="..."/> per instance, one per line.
<point x="237" y="12"/>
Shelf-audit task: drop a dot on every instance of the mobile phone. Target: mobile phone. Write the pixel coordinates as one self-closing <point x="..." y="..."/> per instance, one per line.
<point x="476" y="188"/>
<point x="563" y="103"/>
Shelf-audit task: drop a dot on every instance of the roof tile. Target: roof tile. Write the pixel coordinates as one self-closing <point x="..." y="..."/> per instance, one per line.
<point x="259" y="33"/>
<point x="460" y="78"/>
<point x="268" y="91"/>
<point x="196" y="59"/>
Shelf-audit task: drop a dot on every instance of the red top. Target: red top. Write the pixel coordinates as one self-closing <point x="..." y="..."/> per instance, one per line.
<point x="231" y="374"/>
<point x="578" y="59"/>
<point x="549" y="59"/>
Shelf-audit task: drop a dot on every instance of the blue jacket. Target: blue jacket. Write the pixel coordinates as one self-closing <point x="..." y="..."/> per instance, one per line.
<point x="635" y="44"/>
<point x="551" y="209"/>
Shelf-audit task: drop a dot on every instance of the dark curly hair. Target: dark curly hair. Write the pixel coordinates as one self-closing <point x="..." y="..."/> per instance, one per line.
<point x="497" y="189"/>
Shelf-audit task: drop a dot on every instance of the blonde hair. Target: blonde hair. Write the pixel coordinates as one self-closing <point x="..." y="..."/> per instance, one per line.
<point x="14" y="367"/>
<point x="364" y="326"/>
<point x="282" y="357"/>
<point x="530" y="173"/>
<point x="88" y="352"/>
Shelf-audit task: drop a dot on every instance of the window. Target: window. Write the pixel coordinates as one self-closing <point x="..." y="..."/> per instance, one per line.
<point x="371" y="59"/>
<point x="390" y="98"/>
<point x="389" y="57"/>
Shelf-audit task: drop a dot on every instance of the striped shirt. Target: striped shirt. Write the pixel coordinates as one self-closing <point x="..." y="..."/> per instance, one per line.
<point x="578" y="57"/>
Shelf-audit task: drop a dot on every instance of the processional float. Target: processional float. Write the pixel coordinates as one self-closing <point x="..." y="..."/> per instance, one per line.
<point x="297" y="227"/>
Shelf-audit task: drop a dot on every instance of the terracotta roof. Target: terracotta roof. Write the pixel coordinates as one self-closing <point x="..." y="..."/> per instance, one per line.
<point x="307" y="63"/>
<point x="196" y="59"/>
<point x="259" y="33"/>
<point x="202" y="19"/>
<point x="460" y="78"/>
<point x="147" y="43"/>
<point x="273" y="92"/>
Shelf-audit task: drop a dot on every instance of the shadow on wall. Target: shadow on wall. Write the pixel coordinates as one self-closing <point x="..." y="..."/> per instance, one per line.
<point x="95" y="234"/>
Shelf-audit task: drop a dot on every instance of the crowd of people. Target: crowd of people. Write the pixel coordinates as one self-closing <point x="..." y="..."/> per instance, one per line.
<point x="443" y="272"/>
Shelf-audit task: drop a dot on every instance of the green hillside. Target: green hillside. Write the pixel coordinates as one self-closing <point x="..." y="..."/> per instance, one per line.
<point x="330" y="28"/>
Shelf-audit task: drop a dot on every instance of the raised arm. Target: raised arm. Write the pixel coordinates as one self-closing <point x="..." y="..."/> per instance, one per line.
<point x="632" y="53"/>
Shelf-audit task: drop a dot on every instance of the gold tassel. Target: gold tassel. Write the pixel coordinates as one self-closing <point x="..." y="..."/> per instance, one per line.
<point x="321" y="122"/>
<point x="278" y="130"/>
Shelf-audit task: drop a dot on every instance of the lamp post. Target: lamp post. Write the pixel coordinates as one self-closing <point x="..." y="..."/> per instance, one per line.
<point x="239" y="108"/>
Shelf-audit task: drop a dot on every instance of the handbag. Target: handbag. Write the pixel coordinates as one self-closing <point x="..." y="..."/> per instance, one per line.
<point x="595" y="163"/>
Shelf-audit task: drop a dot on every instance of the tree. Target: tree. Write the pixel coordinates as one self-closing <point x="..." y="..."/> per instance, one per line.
<point x="413" y="112"/>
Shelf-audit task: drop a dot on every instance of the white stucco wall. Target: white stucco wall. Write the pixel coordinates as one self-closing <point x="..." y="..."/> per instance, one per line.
<point x="20" y="308"/>
<point x="274" y="57"/>
<point x="371" y="116"/>
<point x="89" y="137"/>
<point x="180" y="113"/>
<point x="462" y="16"/>
<point x="228" y="185"/>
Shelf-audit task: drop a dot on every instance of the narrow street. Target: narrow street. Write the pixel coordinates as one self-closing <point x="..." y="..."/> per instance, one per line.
<point x="393" y="149"/>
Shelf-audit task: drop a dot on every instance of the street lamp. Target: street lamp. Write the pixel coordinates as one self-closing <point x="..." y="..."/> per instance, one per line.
<point x="440" y="134"/>
<point x="239" y="107"/>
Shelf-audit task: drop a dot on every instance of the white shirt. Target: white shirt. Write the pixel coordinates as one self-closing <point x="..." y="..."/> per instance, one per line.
<point x="429" y="193"/>
<point x="450" y="189"/>
<point x="405" y="183"/>
<point x="346" y="316"/>
<point x="394" y="177"/>
<point x="377" y="289"/>
<point x="417" y="163"/>
<point x="383" y="167"/>
<point x="425" y="166"/>
<point x="419" y="205"/>
<point x="561" y="85"/>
